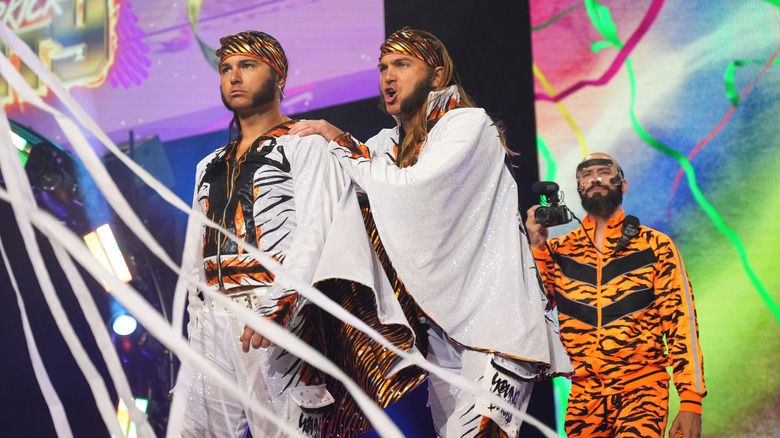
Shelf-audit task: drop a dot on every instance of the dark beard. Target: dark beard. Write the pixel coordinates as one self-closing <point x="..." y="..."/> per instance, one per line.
<point x="602" y="205"/>
<point x="265" y="95"/>
<point x="418" y="98"/>
<point x="415" y="101"/>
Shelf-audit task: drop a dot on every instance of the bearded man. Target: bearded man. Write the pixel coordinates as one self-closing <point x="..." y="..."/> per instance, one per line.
<point x="445" y="206"/>
<point x="287" y="197"/>
<point x="623" y="297"/>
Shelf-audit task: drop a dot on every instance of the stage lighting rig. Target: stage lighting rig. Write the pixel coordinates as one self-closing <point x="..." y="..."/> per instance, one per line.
<point x="60" y="184"/>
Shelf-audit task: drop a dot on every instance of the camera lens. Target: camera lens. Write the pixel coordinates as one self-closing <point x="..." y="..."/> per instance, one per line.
<point x="543" y="215"/>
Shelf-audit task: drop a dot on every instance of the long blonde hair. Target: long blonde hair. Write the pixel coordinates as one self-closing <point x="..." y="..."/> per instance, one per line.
<point x="413" y="142"/>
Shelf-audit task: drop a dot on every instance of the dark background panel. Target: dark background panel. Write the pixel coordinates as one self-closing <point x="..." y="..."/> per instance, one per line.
<point x="24" y="408"/>
<point x="490" y="43"/>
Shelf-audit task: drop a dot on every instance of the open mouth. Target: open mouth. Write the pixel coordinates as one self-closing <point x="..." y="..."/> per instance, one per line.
<point x="389" y="94"/>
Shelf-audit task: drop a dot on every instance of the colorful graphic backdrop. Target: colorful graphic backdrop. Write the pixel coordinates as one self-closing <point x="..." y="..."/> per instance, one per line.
<point x="146" y="66"/>
<point x="684" y="94"/>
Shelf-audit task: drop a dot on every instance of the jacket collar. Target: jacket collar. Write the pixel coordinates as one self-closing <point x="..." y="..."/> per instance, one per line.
<point x="439" y="103"/>
<point x="613" y="226"/>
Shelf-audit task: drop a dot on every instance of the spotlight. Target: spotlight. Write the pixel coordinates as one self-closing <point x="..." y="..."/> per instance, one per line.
<point x="21" y="141"/>
<point x="125" y="334"/>
<point x="124" y="325"/>
<point x="103" y="246"/>
<point x="50" y="179"/>
<point x="122" y="414"/>
<point x="23" y="145"/>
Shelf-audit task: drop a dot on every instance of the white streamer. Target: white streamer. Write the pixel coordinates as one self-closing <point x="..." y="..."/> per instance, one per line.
<point x="53" y="402"/>
<point x="375" y="415"/>
<point x="16" y="181"/>
<point x="103" y="340"/>
<point x="137" y="305"/>
<point x="133" y="301"/>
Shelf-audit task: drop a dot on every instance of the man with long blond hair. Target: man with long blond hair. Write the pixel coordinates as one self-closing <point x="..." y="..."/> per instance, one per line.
<point x="445" y="207"/>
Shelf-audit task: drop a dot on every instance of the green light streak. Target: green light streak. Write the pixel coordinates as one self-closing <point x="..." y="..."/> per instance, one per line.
<point x="552" y="168"/>
<point x="561" y="390"/>
<point x="554" y="19"/>
<point x="551" y="165"/>
<point x="728" y="76"/>
<point x="602" y="20"/>
<point x="711" y="212"/>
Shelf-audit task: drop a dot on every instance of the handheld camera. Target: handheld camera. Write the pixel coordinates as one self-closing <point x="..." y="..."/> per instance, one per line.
<point x="555" y="212"/>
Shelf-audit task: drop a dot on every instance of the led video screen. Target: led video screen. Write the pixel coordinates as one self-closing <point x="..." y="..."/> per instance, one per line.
<point x="147" y="66"/>
<point x="684" y="95"/>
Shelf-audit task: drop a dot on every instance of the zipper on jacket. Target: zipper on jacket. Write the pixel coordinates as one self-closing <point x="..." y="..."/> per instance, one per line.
<point x="231" y="187"/>
<point x="599" y="307"/>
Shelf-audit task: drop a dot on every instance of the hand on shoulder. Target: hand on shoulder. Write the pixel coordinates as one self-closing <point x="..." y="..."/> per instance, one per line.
<point x="312" y="127"/>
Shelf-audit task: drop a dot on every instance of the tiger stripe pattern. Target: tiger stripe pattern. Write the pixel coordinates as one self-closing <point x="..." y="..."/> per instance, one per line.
<point x="489" y="429"/>
<point x="637" y="413"/>
<point x="264" y="217"/>
<point x="357" y="149"/>
<point x="257" y="45"/>
<point x="618" y="312"/>
<point x="407" y="42"/>
<point x="411" y="310"/>
<point x="485" y="427"/>
<point x="359" y="355"/>
<point x="362" y="358"/>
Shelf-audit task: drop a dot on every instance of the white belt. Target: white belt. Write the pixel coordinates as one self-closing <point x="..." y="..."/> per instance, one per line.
<point x="246" y="299"/>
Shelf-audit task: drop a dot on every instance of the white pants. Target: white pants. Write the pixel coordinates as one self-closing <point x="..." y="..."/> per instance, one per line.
<point x="458" y="413"/>
<point x="266" y="374"/>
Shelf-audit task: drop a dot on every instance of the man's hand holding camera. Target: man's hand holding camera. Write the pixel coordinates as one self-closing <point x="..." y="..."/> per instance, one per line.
<point x="536" y="232"/>
<point x="554" y="212"/>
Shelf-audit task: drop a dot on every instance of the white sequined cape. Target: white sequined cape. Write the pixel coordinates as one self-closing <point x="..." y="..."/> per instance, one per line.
<point x="450" y="225"/>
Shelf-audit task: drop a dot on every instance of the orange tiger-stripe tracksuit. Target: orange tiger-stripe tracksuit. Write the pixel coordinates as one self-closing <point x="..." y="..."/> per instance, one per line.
<point x="615" y="311"/>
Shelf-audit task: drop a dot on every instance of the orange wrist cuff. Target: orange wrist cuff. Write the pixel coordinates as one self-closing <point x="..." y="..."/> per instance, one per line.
<point x="690" y="402"/>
